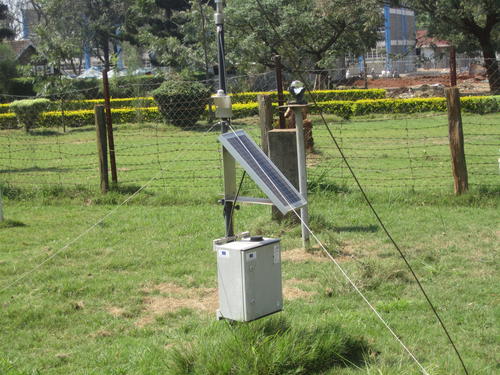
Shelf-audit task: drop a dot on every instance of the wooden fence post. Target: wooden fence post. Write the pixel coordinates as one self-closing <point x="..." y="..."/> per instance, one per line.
<point x="456" y="139"/>
<point x="102" y="146"/>
<point x="109" y="126"/>
<point x="266" y="119"/>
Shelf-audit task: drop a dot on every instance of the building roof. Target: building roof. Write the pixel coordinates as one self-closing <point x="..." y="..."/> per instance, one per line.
<point x="425" y="41"/>
<point x="19" y="46"/>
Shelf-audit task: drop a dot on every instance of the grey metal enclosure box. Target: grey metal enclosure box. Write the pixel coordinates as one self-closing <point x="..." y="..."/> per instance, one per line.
<point x="249" y="278"/>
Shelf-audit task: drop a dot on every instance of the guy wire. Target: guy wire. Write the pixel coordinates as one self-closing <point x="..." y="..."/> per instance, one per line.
<point x="335" y="262"/>
<point x="372" y="208"/>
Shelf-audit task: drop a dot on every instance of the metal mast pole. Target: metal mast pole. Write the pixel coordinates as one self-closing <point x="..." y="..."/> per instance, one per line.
<point x="229" y="164"/>
<point x="219" y="23"/>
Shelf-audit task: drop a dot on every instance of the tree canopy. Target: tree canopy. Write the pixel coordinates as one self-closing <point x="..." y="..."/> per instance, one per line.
<point x="303" y="31"/>
<point x="91" y="25"/>
<point x="5" y="32"/>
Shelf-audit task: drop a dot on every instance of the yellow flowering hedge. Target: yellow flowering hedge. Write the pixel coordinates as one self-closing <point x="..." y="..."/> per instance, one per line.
<point x="319" y="95"/>
<point x="343" y="108"/>
<point x="346" y="109"/>
<point x="75" y="105"/>
<point x="240" y="98"/>
<point x="86" y="117"/>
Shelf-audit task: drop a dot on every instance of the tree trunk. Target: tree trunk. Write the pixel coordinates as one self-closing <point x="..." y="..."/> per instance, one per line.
<point x="491" y="65"/>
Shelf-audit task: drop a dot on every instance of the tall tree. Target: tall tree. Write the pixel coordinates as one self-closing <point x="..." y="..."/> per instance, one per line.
<point x="5" y="32"/>
<point x="92" y="24"/>
<point x="470" y="24"/>
<point x="178" y="33"/>
<point x="303" y="31"/>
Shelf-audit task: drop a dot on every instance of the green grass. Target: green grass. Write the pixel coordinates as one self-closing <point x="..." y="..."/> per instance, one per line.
<point x="386" y="153"/>
<point x="136" y="295"/>
<point x="89" y="310"/>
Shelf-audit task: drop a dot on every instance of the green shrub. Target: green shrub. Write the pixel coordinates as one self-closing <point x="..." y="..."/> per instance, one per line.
<point x="7" y="69"/>
<point x="22" y="87"/>
<point x="28" y="111"/>
<point x="88" y="88"/>
<point x="480" y="104"/>
<point x="181" y="103"/>
<point x="132" y="86"/>
<point x="318" y="96"/>
<point x="8" y="121"/>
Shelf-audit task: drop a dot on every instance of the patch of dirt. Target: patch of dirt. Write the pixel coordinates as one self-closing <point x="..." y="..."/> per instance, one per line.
<point x="301" y="255"/>
<point x="82" y="142"/>
<point x="101" y="333"/>
<point x="467" y="83"/>
<point x="115" y="311"/>
<point x="351" y="249"/>
<point x="174" y="297"/>
<point x="292" y="290"/>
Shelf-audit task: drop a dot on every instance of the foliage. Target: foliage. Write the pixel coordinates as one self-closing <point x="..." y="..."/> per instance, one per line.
<point x="5" y="32"/>
<point x="28" y="111"/>
<point x="240" y="98"/>
<point x="7" y="69"/>
<point x="347" y="109"/>
<point x="132" y="86"/>
<point x="304" y="32"/>
<point x="22" y="87"/>
<point x="316" y="95"/>
<point x="93" y="25"/>
<point x="56" y="88"/>
<point x="179" y="33"/>
<point x="72" y="89"/>
<point x="181" y="103"/>
<point x="135" y="110"/>
<point x="469" y="25"/>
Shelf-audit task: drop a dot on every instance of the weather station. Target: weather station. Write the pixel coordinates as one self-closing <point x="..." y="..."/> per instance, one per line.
<point x="248" y="267"/>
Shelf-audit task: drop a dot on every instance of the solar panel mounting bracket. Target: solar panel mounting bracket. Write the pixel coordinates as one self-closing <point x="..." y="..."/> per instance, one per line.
<point x="262" y="170"/>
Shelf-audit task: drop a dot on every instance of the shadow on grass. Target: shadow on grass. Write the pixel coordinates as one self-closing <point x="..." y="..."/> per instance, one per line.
<point x="11" y="224"/>
<point x="357" y="228"/>
<point x="82" y="129"/>
<point x="36" y="169"/>
<point x="44" y="133"/>
<point x="269" y="346"/>
<point x="322" y="185"/>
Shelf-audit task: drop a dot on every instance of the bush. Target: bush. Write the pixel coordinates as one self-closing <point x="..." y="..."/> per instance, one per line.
<point x="88" y="88"/>
<point x="132" y="86"/>
<point x="22" y="87"/>
<point x="28" y="111"/>
<point x="319" y="95"/>
<point x="181" y="103"/>
<point x="7" y="68"/>
<point x="480" y="104"/>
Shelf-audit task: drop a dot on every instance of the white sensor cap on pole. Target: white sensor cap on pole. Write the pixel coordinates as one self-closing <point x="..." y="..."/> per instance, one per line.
<point x="223" y="104"/>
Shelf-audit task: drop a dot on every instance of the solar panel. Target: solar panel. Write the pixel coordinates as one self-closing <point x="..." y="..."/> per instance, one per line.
<point x="262" y="170"/>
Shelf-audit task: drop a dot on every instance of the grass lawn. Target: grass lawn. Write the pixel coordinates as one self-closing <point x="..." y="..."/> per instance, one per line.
<point x="137" y="294"/>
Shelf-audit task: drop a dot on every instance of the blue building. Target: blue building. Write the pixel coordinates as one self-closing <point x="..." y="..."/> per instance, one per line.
<point x="395" y="50"/>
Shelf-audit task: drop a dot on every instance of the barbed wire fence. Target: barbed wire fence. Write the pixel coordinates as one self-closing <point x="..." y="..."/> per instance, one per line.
<point x="396" y="151"/>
